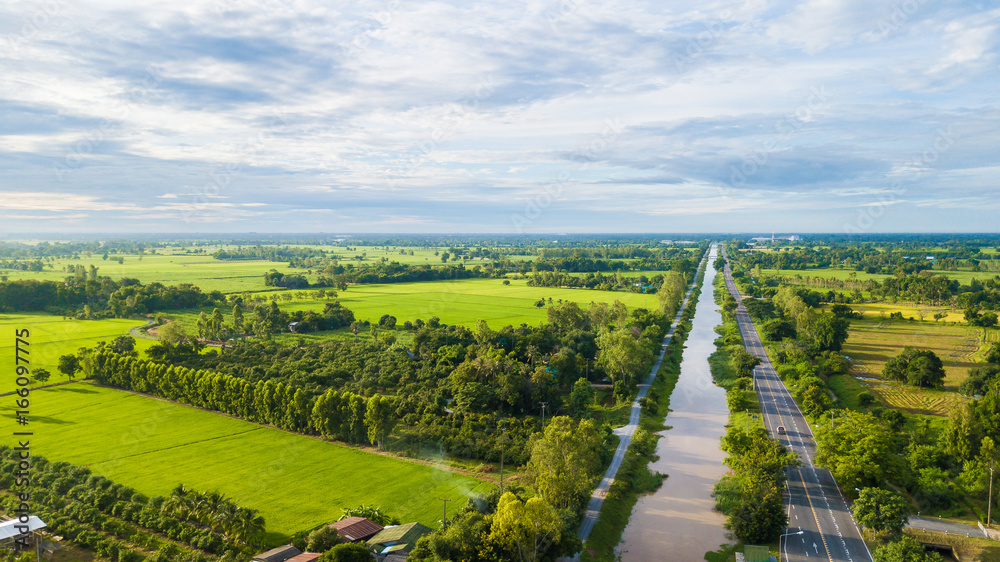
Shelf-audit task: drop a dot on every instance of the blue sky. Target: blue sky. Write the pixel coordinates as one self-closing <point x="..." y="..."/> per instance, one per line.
<point x="552" y="116"/>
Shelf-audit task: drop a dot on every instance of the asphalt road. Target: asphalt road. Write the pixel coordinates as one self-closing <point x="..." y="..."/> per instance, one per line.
<point x="624" y="433"/>
<point x="816" y="507"/>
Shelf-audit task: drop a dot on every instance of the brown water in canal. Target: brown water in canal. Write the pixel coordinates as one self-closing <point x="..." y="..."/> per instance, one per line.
<point x="678" y="522"/>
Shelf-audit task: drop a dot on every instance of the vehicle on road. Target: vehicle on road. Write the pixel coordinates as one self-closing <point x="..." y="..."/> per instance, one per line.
<point x="781" y="430"/>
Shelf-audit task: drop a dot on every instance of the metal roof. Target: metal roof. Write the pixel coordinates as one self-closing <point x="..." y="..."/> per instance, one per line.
<point x="12" y="528"/>
<point x="356" y="528"/>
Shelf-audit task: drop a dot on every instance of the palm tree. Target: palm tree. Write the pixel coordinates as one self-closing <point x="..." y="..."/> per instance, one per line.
<point x="224" y="518"/>
<point x="179" y="503"/>
<point x="247" y="525"/>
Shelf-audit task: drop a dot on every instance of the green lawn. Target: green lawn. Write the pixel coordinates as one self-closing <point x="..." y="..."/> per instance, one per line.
<point x="296" y="482"/>
<point x="454" y="302"/>
<point x="53" y="336"/>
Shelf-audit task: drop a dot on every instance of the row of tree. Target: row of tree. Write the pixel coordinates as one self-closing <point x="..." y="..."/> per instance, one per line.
<point x="278" y="404"/>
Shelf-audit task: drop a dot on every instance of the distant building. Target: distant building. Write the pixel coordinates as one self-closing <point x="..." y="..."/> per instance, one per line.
<point x="280" y="554"/>
<point x="356" y="529"/>
<point x="399" y="539"/>
<point x="305" y="557"/>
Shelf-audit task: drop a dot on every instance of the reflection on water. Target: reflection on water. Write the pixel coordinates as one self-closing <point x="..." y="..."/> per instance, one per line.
<point x="678" y="522"/>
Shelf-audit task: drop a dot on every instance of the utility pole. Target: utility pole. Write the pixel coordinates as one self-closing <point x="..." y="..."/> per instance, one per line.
<point x="444" y="521"/>
<point x="989" y="498"/>
<point x="544" y="404"/>
<point x="503" y="437"/>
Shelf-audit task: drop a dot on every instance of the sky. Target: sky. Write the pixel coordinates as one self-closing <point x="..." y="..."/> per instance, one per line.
<point x="554" y="116"/>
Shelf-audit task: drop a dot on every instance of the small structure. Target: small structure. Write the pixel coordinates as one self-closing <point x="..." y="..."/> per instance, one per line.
<point x="356" y="529"/>
<point x="399" y="539"/>
<point x="280" y="554"/>
<point x="12" y="529"/>
<point x="291" y="326"/>
<point x="305" y="557"/>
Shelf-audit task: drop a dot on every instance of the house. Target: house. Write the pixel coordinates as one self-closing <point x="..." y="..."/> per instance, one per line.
<point x="305" y="557"/>
<point x="280" y="554"/>
<point x="399" y="539"/>
<point x="356" y="529"/>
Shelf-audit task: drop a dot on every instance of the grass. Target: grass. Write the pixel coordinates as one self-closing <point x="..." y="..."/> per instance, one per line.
<point x="53" y="336"/>
<point x="296" y="482"/>
<point x="460" y="302"/>
<point x="969" y="549"/>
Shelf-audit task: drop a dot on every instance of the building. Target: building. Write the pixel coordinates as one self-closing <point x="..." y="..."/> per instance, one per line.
<point x="399" y="539"/>
<point x="11" y="530"/>
<point x="356" y="529"/>
<point x="280" y="554"/>
<point x="305" y="557"/>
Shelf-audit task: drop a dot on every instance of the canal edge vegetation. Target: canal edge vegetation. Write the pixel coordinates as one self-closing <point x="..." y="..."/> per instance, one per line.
<point x="634" y="478"/>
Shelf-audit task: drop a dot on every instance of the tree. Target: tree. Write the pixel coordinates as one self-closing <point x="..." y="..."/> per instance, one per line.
<point x="349" y="552"/>
<point x="828" y="333"/>
<point x="581" y="396"/>
<point x="248" y="525"/>
<point x="744" y="363"/>
<point x="761" y="517"/>
<point x="380" y="418"/>
<point x="919" y="367"/>
<point x="564" y="461"/>
<point x="372" y="513"/>
<point x="528" y="527"/>
<point x="173" y="333"/>
<point x="216" y="328"/>
<point x="622" y="355"/>
<point x="905" y="549"/>
<point x="237" y="319"/>
<point x="124" y="345"/>
<point x="323" y="539"/>
<point x="737" y="399"/>
<point x="882" y="511"/>
<point x="815" y="400"/>
<point x="41" y="375"/>
<point x="965" y="432"/>
<point x="69" y="365"/>
<point x="860" y="451"/>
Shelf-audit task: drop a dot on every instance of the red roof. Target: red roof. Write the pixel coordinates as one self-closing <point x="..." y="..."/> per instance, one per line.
<point x="356" y="528"/>
<point x="305" y="557"/>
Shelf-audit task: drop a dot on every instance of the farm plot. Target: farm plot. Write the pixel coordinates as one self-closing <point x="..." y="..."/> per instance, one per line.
<point x="460" y="302"/>
<point x="917" y="400"/>
<point x="53" y="336"/>
<point x="296" y="482"/>
<point x="872" y="342"/>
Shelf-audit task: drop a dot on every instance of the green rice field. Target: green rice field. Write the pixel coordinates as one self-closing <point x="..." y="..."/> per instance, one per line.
<point x="53" y="336"/>
<point x="296" y="482"/>
<point x="459" y="302"/>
